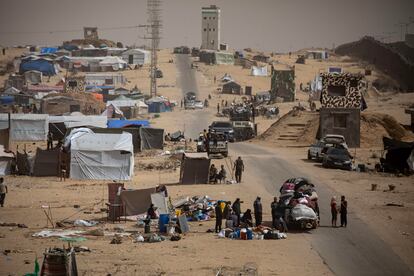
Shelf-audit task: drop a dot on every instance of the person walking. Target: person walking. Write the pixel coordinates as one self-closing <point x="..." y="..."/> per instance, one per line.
<point x="50" y="141"/>
<point x="219" y="217"/>
<point x="334" y="211"/>
<point x="3" y="191"/>
<point x="218" y="108"/>
<point x="273" y="207"/>
<point x="258" y="211"/>
<point x="237" y="209"/>
<point x="344" y="211"/>
<point x="239" y="169"/>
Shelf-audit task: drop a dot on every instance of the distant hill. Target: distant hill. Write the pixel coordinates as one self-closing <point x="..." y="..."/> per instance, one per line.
<point x="394" y="59"/>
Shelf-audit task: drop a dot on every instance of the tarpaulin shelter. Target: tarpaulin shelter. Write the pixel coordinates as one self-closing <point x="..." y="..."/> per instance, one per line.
<point x="223" y="58"/>
<point x="5" y="161"/>
<point x="112" y="111"/>
<point x="151" y="138"/>
<point x="399" y="155"/>
<point x="136" y="138"/>
<point x="26" y="127"/>
<point x="158" y="105"/>
<point x="44" y="65"/>
<point x="33" y="76"/>
<point x="48" y="50"/>
<point x="231" y="87"/>
<point x="194" y="168"/>
<point x="127" y="123"/>
<point x="102" y="156"/>
<point x="137" y="202"/>
<point x="136" y="56"/>
<point x="58" y="125"/>
<point x="116" y="63"/>
<point x="259" y="71"/>
<point x="46" y="162"/>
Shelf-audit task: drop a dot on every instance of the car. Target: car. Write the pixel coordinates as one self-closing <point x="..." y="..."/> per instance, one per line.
<point x="218" y="144"/>
<point x="158" y="74"/>
<point x="225" y="127"/>
<point x="334" y="139"/>
<point x="189" y="105"/>
<point x="190" y="96"/>
<point x="198" y="104"/>
<point x="337" y="157"/>
<point x="318" y="150"/>
<point x="315" y="151"/>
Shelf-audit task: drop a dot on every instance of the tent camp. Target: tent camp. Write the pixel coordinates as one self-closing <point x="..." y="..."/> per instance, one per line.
<point x="44" y="65"/>
<point x="151" y="138"/>
<point x="136" y="56"/>
<point x="259" y="71"/>
<point x="46" y="162"/>
<point x="26" y="127"/>
<point x="5" y="161"/>
<point x="102" y="156"/>
<point x="194" y="168"/>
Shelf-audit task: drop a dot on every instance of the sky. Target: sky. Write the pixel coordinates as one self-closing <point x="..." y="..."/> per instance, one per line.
<point x="268" y="25"/>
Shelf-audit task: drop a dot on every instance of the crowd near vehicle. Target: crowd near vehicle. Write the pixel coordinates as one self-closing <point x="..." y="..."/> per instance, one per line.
<point x="224" y="127"/>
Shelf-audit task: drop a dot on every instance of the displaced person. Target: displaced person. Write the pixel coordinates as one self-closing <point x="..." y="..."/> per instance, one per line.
<point x="247" y="218"/>
<point x="222" y="174"/>
<point x="213" y="174"/>
<point x="219" y="217"/>
<point x="344" y="211"/>
<point x="258" y="211"/>
<point x="239" y="168"/>
<point x="167" y="137"/>
<point x="237" y="209"/>
<point x="218" y="107"/>
<point x="227" y="210"/>
<point x="334" y="211"/>
<point x="277" y="216"/>
<point x="49" y="141"/>
<point x="273" y="207"/>
<point x="162" y="189"/>
<point x="151" y="212"/>
<point x="3" y="191"/>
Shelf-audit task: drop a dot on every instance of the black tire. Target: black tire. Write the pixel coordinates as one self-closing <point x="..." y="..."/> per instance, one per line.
<point x="309" y="155"/>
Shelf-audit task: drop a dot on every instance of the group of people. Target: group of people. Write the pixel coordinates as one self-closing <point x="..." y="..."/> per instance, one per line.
<point x="234" y="217"/>
<point x="220" y="176"/>
<point x="342" y="209"/>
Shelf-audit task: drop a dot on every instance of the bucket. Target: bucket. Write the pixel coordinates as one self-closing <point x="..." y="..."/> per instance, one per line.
<point x="162" y="222"/>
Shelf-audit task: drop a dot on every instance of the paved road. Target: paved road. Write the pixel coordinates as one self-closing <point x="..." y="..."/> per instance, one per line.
<point x="355" y="250"/>
<point x="195" y="120"/>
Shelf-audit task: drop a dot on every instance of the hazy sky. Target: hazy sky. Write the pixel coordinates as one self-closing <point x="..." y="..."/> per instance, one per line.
<point x="276" y="25"/>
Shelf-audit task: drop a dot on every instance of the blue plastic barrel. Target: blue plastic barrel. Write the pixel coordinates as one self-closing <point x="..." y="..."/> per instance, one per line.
<point x="162" y="222"/>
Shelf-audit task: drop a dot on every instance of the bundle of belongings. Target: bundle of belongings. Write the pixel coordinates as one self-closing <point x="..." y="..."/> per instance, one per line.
<point x="195" y="208"/>
<point x="250" y="233"/>
<point x="300" y="200"/>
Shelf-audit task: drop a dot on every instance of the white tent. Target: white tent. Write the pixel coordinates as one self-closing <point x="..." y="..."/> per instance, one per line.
<point x="112" y="110"/>
<point x="115" y="62"/>
<point x="102" y="156"/>
<point x="123" y="101"/>
<point x="259" y="71"/>
<point x="77" y="121"/>
<point x="26" y="127"/>
<point x="136" y="56"/>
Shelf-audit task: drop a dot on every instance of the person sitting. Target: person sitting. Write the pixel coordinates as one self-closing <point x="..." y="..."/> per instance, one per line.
<point x="222" y="174"/>
<point x="247" y="219"/>
<point x="151" y="212"/>
<point x="213" y="174"/>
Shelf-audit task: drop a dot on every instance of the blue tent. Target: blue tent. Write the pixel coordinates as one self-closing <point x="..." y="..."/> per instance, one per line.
<point x="46" y="67"/>
<point x="48" y="50"/>
<point x="127" y="123"/>
<point x="157" y="105"/>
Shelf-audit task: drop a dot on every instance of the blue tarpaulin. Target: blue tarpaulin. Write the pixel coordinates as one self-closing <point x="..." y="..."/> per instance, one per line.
<point x="46" y="67"/>
<point x="127" y="123"/>
<point x="48" y="50"/>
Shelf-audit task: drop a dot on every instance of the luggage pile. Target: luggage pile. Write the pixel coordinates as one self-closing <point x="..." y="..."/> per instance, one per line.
<point x="195" y="208"/>
<point x="300" y="200"/>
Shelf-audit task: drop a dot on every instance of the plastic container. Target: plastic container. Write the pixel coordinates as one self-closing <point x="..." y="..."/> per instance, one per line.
<point x="249" y="234"/>
<point x="163" y="222"/>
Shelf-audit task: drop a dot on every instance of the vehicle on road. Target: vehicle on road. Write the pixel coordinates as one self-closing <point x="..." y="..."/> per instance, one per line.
<point x="225" y="127"/>
<point x="189" y="105"/>
<point x="317" y="151"/>
<point x="190" y="96"/>
<point x="198" y="104"/>
<point x="337" y="157"/>
<point x="218" y="144"/>
<point x="243" y="130"/>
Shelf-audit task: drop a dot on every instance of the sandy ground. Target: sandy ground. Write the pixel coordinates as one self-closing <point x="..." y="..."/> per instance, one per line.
<point x="201" y="253"/>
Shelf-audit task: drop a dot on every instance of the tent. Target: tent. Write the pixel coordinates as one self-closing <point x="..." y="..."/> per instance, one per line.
<point x="46" y="162"/>
<point x="11" y="91"/>
<point x="136" y="56"/>
<point x="259" y="71"/>
<point x="223" y="58"/>
<point x="136" y="202"/>
<point x="232" y="87"/>
<point x="5" y="161"/>
<point x="136" y="139"/>
<point x="399" y="155"/>
<point x="48" y="50"/>
<point x="158" y="105"/>
<point x="115" y="62"/>
<point x="102" y="156"/>
<point x="58" y="125"/>
<point x="26" y="127"/>
<point x="194" y="168"/>
<point x="112" y="111"/>
<point x="33" y="76"/>
<point x="127" y="123"/>
<point x="151" y="138"/>
<point x="40" y="64"/>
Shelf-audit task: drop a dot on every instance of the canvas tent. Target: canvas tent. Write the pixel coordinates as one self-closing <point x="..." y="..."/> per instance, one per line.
<point x="5" y="161"/>
<point x="33" y="77"/>
<point x="127" y="123"/>
<point x="26" y="127"/>
<point x="158" y="105"/>
<point x="223" y="58"/>
<point x="44" y="65"/>
<point x="136" y="56"/>
<point x="102" y="156"/>
<point x="116" y="63"/>
<point x="59" y="124"/>
<point x="46" y="163"/>
<point x="259" y="71"/>
<point x="194" y="168"/>
<point x="151" y="138"/>
<point x="136" y="202"/>
<point x="232" y="87"/>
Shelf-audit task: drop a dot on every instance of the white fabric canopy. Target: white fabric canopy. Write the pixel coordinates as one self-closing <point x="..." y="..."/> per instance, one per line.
<point x="26" y="127"/>
<point x="76" y="121"/>
<point x="259" y="71"/>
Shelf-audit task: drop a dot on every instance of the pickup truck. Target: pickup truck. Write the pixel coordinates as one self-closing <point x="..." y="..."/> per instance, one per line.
<point x="218" y="144"/>
<point x="225" y="127"/>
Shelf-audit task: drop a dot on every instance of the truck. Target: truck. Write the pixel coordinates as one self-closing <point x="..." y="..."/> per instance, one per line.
<point x="217" y="144"/>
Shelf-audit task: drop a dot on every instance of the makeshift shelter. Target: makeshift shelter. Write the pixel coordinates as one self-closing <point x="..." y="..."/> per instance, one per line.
<point x="112" y="63"/>
<point x="136" y="202"/>
<point x="6" y="159"/>
<point x="102" y="156"/>
<point x="11" y="91"/>
<point x="119" y="91"/>
<point x="48" y="50"/>
<point x="101" y="79"/>
<point x="317" y="54"/>
<point x="232" y="87"/>
<point x="26" y="127"/>
<point x="33" y="77"/>
<point x="194" y="168"/>
<point x="127" y="123"/>
<point x="44" y="65"/>
<point x="136" y="56"/>
<point x="223" y="58"/>
<point x="283" y="85"/>
<point x="136" y="138"/>
<point x="399" y="156"/>
<point x="58" y="125"/>
<point x="263" y="96"/>
<point x="158" y="105"/>
<point x="261" y="58"/>
<point x="259" y="71"/>
<point x="131" y="108"/>
<point x="46" y="162"/>
<point x="112" y="111"/>
<point x="151" y="138"/>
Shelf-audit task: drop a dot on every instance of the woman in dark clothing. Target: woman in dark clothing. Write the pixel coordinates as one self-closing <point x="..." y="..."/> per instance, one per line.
<point x="247" y="218"/>
<point x="219" y="217"/>
<point x="151" y="212"/>
<point x="334" y="211"/>
<point x="344" y="211"/>
<point x="237" y="209"/>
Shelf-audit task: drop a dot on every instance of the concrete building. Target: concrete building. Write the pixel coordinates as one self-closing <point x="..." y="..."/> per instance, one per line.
<point x="90" y="33"/>
<point x="210" y="28"/>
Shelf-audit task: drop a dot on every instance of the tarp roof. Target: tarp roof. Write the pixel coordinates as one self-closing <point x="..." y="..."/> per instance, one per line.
<point x="196" y="155"/>
<point x="126" y="123"/>
<point x="103" y="142"/>
<point x="77" y="121"/>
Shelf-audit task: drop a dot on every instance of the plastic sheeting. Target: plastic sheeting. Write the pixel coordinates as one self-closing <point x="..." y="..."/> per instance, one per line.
<point x="26" y="127"/>
<point x="259" y="71"/>
<point x="102" y="156"/>
<point x="301" y="211"/>
<point x="78" y="121"/>
<point x="136" y="201"/>
<point x="194" y="168"/>
<point x="151" y="138"/>
<point x="46" y="163"/>
<point x="127" y="123"/>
